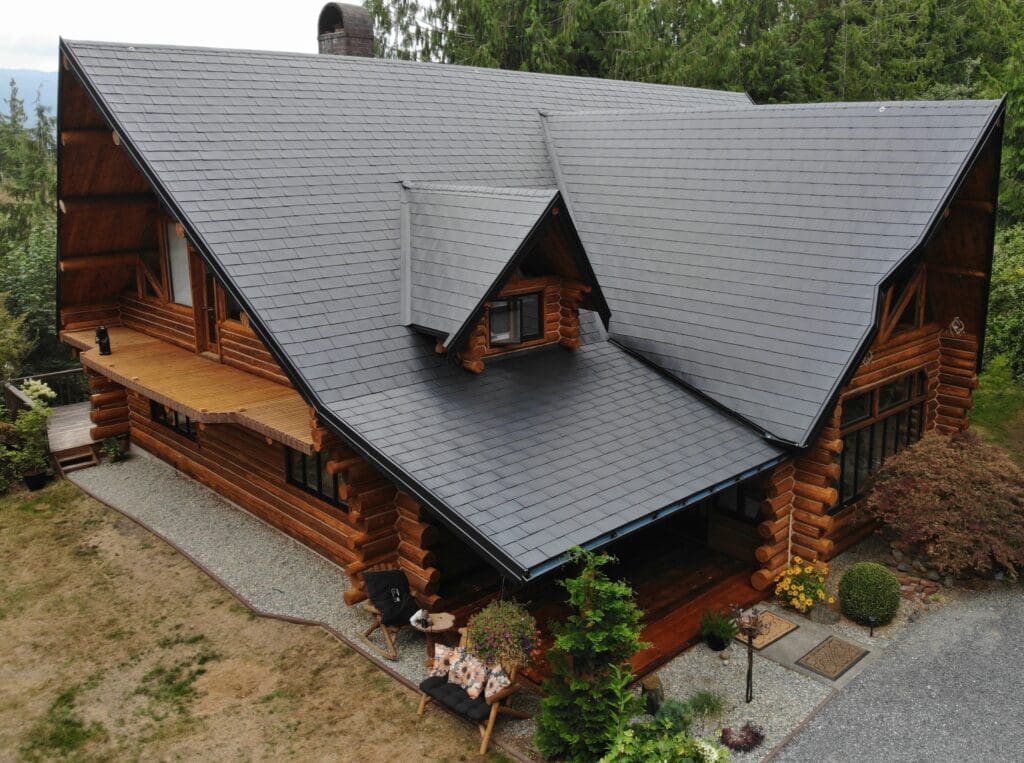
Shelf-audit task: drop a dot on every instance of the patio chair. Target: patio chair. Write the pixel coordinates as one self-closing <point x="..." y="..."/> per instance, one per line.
<point x="392" y="605"/>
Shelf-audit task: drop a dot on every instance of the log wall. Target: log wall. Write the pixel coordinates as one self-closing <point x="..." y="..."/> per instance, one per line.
<point x="562" y="300"/>
<point x="171" y="323"/>
<point x="241" y="348"/>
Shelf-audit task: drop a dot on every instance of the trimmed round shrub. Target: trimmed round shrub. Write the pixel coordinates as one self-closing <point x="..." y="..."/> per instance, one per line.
<point x="869" y="590"/>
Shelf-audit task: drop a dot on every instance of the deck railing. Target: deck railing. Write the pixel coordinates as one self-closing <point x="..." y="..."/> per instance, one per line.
<point x="71" y="387"/>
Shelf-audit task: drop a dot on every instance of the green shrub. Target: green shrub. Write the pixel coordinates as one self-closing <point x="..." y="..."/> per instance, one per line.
<point x="114" y="448"/>
<point x="956" y="501"/>
<point x="707" y="704"/>
<point x="503" y="633"/>
<point x="655" y="741"/>
<point x="588" y="700"/>
<point x="676" y="715"/>
<point x="869" y="590"/>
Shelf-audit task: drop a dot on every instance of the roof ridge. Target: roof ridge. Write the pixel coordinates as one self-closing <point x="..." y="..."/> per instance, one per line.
<point x="482" y="190"/>
<point x="335" y="60"/>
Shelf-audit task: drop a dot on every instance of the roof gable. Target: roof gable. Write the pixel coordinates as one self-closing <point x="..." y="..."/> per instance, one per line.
<point x="458" y="243"/>
<point x="743" y="250"/>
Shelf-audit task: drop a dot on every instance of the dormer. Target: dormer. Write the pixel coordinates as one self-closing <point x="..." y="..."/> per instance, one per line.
<point x="489" y="271"/>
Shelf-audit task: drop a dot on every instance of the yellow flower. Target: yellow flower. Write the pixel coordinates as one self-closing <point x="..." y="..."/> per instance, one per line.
<point x="808" y="569"/>
<point x="831" y="599"/>
<point x="798" y="560"/>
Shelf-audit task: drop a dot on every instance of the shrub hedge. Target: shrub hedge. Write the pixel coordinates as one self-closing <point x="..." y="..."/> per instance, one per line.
<point x="869" y="590"/>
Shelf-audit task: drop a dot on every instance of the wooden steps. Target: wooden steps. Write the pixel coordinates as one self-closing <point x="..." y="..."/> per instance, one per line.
<point x="76" y="458"/>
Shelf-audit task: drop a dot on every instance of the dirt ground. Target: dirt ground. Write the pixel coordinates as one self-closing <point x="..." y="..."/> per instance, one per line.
<point x="113" y="646"/>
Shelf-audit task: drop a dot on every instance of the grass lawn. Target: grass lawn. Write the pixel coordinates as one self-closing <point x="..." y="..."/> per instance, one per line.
<point x="999" y="408"/>
<point x="114" y="647"/>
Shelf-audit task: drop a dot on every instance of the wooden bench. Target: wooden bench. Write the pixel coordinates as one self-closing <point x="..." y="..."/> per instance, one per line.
<point x="482" y="711"/>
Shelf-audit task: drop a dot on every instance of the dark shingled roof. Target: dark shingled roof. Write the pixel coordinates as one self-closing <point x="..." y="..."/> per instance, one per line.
<point x="742" y="249"/>
<point x="286" y="170"/>
<point x="460" y="240"/>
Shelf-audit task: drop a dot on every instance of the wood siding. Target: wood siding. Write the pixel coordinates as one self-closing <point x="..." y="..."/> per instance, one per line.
<point x="171" y="323"/>
<point x="241" y="348"/>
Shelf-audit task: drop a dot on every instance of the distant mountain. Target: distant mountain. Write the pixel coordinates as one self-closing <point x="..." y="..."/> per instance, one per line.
<point x="30" y="82"/>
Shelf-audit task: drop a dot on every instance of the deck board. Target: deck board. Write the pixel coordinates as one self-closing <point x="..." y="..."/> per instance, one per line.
<point x="68" y="428"/>
<point x="201" y="388"/>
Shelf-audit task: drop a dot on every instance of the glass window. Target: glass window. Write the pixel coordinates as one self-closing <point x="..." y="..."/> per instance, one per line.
<point x="177" y="260"/>
<point x="152" y="272"/>
<point x="172" y="419"/>
<point x="910" y="317"/>
<point x="501" y="323"/>
<point x="856" y="408"/>
<point x="517" y="319"/>
<point x="532" y="321"/>
<point x="234" y="309"/>
<point x="310" y="473"/>
<point x="894" y="393"/>
<point x="741" y="501"/>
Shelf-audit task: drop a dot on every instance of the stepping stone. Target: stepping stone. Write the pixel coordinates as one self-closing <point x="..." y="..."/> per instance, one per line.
<point x="832" y="657"/>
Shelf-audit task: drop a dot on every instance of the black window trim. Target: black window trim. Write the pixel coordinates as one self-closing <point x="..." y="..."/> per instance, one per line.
<point x="317" y="459"/>
<point x="173" y="420"/>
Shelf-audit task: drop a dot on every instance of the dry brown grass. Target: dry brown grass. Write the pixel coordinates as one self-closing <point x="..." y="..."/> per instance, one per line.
<point x="113" y="646"/>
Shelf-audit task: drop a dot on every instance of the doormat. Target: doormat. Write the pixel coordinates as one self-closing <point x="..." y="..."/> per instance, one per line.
<point x="775" y="627"/>
<point x="832" y="657"/>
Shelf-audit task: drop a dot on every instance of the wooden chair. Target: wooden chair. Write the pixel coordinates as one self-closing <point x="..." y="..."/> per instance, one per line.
<point x="391" y="604"/>
<point x="483" y="715"/>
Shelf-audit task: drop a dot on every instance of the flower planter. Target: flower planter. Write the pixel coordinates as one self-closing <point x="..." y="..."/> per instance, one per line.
<point x="36" y="481"/>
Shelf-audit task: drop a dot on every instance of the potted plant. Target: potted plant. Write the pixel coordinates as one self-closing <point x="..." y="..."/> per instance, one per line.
<point x="503" y="633"/>
<point x="31" y="456"/>
<point x="717" y="629"/>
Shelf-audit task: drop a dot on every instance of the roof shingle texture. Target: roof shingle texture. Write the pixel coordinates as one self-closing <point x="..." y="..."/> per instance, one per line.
<point x="742" y="249"/>
<point x="461" y="239"/>
<point x="289" y="168"/>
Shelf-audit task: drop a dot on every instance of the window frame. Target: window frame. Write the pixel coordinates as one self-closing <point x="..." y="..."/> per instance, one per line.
<point x="174" y="420"/>
<point x="514" y="308"/>
<point x="887" y="431"/>
<point x="319" y="462"/>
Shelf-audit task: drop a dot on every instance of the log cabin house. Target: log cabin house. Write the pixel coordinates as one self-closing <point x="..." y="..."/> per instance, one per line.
<point x="458" y="321"/>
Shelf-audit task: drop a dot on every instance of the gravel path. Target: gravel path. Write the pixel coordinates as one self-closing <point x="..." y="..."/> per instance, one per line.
<point x="948" y="689"/>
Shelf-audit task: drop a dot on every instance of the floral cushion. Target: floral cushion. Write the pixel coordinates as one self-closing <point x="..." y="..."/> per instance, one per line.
<point x="443" y="656"/>
<point x="497" y="679"/>
<point x="469" y="672"/>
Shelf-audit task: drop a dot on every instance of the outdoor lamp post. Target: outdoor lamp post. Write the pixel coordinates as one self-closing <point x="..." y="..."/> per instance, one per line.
<point x="751" y="626"/>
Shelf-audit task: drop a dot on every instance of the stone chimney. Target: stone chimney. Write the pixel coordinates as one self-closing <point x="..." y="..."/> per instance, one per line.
<point x="345" y="30"/>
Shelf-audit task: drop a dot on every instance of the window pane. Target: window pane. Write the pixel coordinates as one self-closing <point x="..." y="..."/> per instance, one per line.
<point x="894" y="393"/>
<point x="312" y="477"/>
<point x="327" y="481"/>
<point x="233" y="308"/>
<point x="863" y="457"/>
<point x="847" y="460"/>
<point x="501" y="323"/>
<point x="530" y="315"/>
<point x="727" y="499"/>
<point x="177" y="258"/>
<point x="296" y="466"/>
<point x="908" y="318"/>
<point x="856" y="408"/>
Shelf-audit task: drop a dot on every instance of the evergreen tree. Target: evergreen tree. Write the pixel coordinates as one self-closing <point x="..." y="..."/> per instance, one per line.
<point x="588" y="700"/>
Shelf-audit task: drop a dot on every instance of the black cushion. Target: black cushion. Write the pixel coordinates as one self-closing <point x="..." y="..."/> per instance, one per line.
<point x="455" y="698"/>
<point x="389" y="592"/>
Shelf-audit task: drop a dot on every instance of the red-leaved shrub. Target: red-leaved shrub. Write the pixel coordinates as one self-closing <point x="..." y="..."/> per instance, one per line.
<point x="957" y="501"/>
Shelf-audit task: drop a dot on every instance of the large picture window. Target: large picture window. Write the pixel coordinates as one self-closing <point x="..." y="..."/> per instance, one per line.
<point x="516" y="319"/>
<point x="878" y="424"/>
<point x="310" y="473"/>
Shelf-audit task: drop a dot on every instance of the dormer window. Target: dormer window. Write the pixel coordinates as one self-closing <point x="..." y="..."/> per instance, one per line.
<point x="516" y="319"/>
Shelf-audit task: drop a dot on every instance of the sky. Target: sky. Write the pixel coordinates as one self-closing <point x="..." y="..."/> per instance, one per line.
<point x="31" y="28"/>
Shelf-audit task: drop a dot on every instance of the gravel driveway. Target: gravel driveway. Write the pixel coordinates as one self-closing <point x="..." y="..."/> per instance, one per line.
<point x="950" y="689"/>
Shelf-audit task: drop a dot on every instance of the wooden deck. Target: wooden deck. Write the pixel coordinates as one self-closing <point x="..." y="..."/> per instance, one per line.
<point x="68" y="428"/>
<point x="675" y="581"/>
<point x="201" y="388"/>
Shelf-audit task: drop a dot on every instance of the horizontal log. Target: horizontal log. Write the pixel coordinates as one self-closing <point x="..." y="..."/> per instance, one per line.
<point x="764" y="553"/>
<point x="764" y="578"/>
<point x="770" y="528"/>
<point x="830" y="471"/>
<point x="958" y="378"/>
<point x="824" y="523"/>
<point x="426" y="581"/>
<point x="810" y="505"/>
<point x="109" y="430"/>
<point x="421" y="557"/>
<point x="954" y="401"/>
<point x="109" y="397"/>
<point x="832" y="446"/>
<point x="818" y="545"/>
<point x="105" y="202"/>
<point x="826" y="495"/>
<point x="806" y="531"/>
<point x="408" y="505"/>
<point x="777" y="506"/>
<point x="418" y="533"/>
<point x="109" y="415"/>
<point x="99" y="137"/>
<point x="780" y="487"/>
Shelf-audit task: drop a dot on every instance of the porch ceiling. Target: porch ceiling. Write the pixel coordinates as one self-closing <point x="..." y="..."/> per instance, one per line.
<point x="204" y="390"/>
